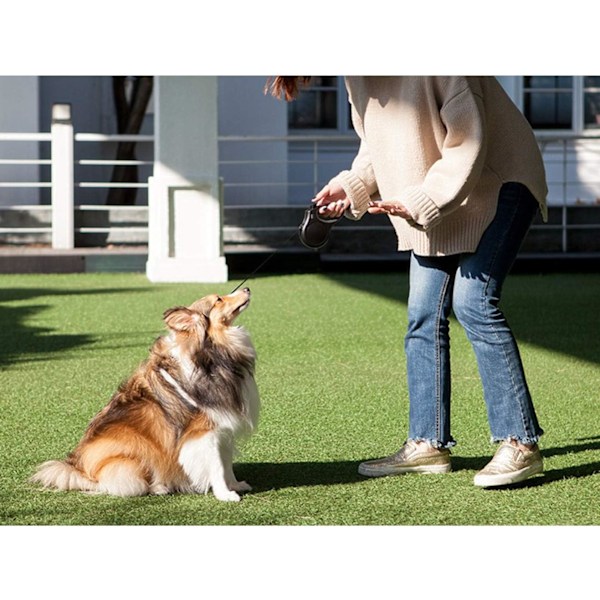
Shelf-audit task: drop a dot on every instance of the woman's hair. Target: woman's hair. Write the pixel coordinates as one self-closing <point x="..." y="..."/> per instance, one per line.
<point x="287" y="87"/>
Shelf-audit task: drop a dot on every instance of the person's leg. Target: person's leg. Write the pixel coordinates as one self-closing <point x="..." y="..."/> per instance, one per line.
<point x="477" y="293"/>
<point x="427" y="345"/>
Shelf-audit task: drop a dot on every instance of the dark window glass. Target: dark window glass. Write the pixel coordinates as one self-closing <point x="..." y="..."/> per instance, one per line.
<point x="316" y="105"/>
<point x="548" y="101"/>
<point x="591" y="81"/>
<point x="591" y="102"/>
<point x="548" y="82"/>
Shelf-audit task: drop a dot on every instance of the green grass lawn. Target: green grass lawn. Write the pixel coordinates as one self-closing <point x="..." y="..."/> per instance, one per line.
<point x="331" y="374"/>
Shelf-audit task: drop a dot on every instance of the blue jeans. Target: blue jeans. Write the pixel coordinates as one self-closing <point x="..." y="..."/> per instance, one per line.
<point x="471" y="285"/>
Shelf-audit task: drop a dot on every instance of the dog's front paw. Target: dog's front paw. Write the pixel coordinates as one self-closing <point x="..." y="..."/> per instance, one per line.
<point x="227" y="496"/>
<point x="159" y="489"/>
<point x="241" y="486"/>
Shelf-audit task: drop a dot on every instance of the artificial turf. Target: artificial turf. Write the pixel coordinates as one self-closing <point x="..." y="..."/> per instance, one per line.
<point x="331" y="374"/>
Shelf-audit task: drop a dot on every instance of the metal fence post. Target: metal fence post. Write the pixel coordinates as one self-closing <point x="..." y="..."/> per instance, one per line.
<point x="62" y="177"/>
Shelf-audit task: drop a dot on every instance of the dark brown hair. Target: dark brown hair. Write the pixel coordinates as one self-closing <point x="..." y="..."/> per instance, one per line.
<point x="285" y="86"/>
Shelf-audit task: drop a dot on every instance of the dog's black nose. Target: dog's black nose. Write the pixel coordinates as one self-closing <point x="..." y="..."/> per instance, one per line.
<point x="247" y="290"/>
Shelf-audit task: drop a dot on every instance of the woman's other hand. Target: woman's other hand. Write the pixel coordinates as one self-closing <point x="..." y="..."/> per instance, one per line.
<point x="389" y="208"/>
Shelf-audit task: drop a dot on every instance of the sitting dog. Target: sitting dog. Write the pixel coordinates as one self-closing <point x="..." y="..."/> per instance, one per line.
<point x="172" y="426"/>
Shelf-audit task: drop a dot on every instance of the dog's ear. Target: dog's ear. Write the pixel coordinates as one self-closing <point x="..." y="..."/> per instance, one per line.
<point x="181" y="318"/>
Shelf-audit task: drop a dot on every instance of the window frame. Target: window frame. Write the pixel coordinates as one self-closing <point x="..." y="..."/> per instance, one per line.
<point x="578" y="128"/>
<point x="343" y="125"/>
<point x="589" y="130"/>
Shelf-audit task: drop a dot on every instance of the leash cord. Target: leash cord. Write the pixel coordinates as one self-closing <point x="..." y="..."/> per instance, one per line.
<point x="264" y="262"/>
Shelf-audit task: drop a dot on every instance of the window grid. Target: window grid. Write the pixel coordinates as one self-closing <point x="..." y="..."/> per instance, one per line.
<point x="582" y="92"/>
<point x="322" y="107"/>
<point x="548" y="102"/>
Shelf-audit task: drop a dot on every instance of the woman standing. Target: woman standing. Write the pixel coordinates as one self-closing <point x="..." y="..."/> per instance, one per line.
<point x="456" y="167"/>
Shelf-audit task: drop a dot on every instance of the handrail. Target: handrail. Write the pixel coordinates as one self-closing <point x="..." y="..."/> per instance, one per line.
<point x="25" y="137"/>
<point x="250" y="171"/>
<point x="288" y="138"/>
<point x="116" y="137"/>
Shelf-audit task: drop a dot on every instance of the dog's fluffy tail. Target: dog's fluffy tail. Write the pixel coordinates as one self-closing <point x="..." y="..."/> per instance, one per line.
<point x="62" y="476"/>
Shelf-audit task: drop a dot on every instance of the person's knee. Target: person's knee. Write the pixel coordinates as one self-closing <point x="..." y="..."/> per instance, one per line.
<point x="471" y="306"/>
<point x="423" y="312"/>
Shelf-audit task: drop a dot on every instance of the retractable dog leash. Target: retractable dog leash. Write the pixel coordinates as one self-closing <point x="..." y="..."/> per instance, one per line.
<point x="263" y="263"/>
<point x="313" y="233"/>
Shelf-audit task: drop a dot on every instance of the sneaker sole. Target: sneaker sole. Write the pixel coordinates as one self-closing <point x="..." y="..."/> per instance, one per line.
<point x="423" y="469"/>
<point x="507" y="478"/>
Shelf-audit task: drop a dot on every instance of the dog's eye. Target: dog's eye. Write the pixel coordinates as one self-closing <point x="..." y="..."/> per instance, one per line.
<point x="219" y="300"/>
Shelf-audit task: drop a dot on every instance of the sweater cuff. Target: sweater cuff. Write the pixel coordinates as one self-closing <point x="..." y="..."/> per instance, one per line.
<point x="356" y="192"/>
<point x="423" y="209"/>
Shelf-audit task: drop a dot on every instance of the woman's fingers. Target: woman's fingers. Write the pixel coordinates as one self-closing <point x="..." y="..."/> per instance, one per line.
<point x="333" y="209"/>
<point x="389" y="208"/>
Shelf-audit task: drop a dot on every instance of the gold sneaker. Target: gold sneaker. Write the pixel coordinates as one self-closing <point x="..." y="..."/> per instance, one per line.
<point x="510" y="464"/>
<point x="413" y="457"/>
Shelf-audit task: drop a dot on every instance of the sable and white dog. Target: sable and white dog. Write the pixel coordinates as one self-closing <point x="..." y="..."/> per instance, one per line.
<point x="172" y="426"/>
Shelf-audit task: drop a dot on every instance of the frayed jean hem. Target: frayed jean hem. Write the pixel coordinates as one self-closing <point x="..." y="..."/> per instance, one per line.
<point x="526" y="440"/>
<point x="434" y="443"/>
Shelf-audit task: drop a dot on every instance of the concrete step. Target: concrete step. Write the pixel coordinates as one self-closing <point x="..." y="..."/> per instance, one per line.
<point x="42" y="259"/>
<point x="116" y="240"/>
<point x="244" y="228"/>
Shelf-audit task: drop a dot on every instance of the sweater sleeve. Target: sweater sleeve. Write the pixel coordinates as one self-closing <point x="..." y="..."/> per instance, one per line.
<point x="359" y="182"/>
<point x="451" y="178"/>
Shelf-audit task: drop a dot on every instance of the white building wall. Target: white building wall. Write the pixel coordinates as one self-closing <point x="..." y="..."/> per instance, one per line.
<point x="253" y="172"/>
<point x="19" y="114"/>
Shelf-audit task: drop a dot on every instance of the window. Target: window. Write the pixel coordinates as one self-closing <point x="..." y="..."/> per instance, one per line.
<point x="591" y="102"/>
<point x="316" y="106"/>
<point x="548" y="102"/>
<point x="559" y="103"/>
<point x="322" y="106"/>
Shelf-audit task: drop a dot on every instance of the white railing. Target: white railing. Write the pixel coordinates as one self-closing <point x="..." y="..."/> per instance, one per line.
<point x="256" y="170"/>
<point x="63" y="184"/>
<point x="565" y="157"/>
<point x="302" y="163"/>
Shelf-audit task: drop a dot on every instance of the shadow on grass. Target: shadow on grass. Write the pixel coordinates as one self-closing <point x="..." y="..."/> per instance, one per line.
<point x="274" y="476"/>
<point x="21" y="342"/>
<point x="549" y="476"/>
<point x="553" y="311"/>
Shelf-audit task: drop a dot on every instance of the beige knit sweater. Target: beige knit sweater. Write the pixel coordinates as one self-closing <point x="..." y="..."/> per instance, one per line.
<point x="442" y="146"/>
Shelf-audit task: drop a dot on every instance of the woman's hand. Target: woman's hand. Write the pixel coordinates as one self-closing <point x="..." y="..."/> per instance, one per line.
<point x="332" y="201"/>
<point x="389" y="208"/>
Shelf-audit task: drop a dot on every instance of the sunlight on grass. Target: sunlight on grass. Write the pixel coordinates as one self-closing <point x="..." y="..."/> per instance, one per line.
<point x="332" y="378"/>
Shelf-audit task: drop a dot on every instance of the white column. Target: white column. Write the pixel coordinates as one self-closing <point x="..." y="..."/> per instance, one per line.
<point x="185" y="204"/>
<point x="62" y="177"/>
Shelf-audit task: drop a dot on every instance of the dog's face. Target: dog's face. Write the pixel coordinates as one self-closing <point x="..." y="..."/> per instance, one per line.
<point x="222" y="310"/>
<point x="212" y="314"/>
